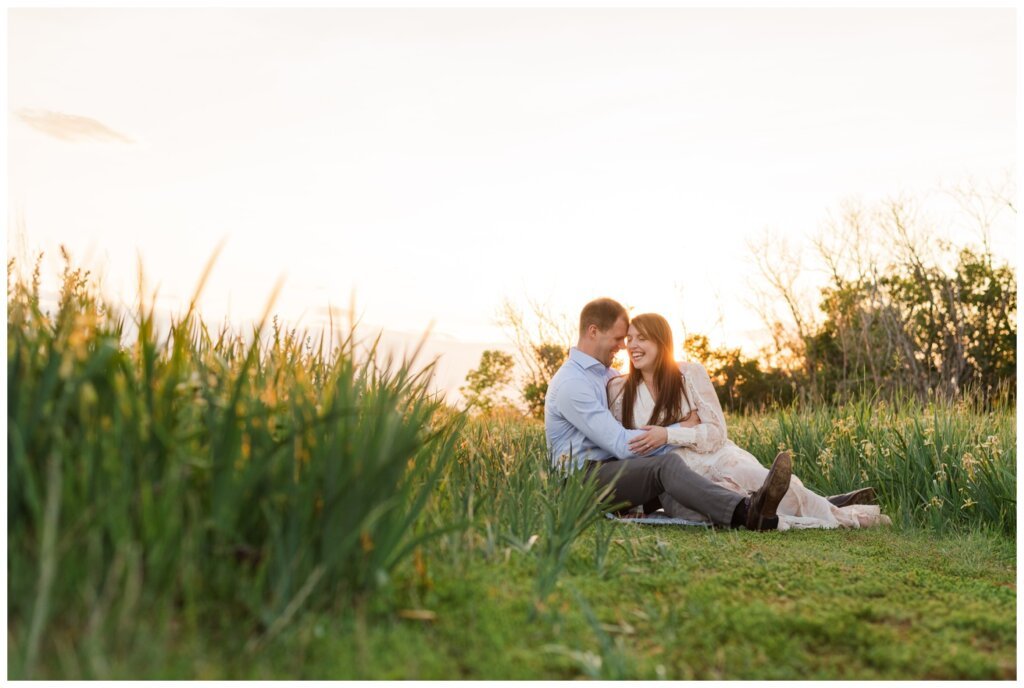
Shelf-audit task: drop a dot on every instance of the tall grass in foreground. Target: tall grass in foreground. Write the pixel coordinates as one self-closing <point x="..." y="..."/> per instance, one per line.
<point x="198" y="479"/>
<point x="503" y="484"/>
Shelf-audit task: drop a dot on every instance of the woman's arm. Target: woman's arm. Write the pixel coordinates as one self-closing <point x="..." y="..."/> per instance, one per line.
<point x="677" y="434"/>
<point x="703" y="430"/>
<point x="710" y="434"/>
<point x="614" y="389"/>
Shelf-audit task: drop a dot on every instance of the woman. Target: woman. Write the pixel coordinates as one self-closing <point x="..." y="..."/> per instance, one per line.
<point x="654" y="394"/>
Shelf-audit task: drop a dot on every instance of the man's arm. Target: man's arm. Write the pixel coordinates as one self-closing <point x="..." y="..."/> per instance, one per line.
<point x="578" y="405"/>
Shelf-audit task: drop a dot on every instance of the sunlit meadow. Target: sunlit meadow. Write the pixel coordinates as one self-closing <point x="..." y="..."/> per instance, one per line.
<point x="197" y="503"/>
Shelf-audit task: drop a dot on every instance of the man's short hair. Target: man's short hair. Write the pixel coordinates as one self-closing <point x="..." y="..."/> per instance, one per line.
<point x="602" y="312"/>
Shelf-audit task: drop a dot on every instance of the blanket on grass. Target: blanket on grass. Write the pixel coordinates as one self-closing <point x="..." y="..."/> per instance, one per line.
<point x="658" y="518"/>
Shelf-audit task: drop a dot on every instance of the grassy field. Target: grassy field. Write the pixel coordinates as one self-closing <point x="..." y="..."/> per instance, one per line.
<point x="197" y="504"/>
<point x="669" y="603"/>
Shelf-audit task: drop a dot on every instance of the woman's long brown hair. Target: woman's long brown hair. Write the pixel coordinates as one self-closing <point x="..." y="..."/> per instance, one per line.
<point x="668" y="407"/>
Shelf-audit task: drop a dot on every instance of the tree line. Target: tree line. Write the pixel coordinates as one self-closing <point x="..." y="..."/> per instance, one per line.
<point x="901" y="312"/>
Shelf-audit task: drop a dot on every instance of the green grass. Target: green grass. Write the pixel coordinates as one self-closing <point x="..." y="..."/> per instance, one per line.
<point x="675" y="603"/>
<point x="939" y="465"/>
<point x="197" y="504"/>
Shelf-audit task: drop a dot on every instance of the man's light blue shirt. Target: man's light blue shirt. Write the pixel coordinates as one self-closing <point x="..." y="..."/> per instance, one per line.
<point x="577" y="421"/>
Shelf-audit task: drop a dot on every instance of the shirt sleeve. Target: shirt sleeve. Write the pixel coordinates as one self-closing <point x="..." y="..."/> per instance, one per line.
<point x="680" y="436"/>
<point x="589" y="415"/>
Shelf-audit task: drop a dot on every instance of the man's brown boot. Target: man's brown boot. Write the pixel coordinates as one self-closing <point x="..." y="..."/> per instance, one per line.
<point x="764" y="502"/>
<point x="865" y="495"/>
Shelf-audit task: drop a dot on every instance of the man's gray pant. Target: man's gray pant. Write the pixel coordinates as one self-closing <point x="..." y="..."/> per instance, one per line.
<point x="643" y="479"/>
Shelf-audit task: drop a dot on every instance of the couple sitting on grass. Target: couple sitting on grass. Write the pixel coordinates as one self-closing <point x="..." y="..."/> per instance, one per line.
<point x="661" y="432"/>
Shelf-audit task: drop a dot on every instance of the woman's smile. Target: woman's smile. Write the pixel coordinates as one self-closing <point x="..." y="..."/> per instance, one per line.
<point x="643" y="352"/>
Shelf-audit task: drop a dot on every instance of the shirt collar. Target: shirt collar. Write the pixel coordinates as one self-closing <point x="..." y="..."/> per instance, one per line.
<point x="585" y="361"/>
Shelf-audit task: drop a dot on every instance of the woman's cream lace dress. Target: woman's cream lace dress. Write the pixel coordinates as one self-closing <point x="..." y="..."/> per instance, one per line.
<point x="708" y="451"/>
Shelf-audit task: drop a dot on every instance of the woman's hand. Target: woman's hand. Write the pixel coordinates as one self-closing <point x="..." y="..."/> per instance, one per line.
<point x="649" y="441"/>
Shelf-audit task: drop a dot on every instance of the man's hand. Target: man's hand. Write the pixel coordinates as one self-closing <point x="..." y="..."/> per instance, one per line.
<point x="649" y="441"/>
<point x="691" y="421"/>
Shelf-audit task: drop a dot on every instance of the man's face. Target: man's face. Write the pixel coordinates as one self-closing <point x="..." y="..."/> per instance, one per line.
<point x="611" y="341"/>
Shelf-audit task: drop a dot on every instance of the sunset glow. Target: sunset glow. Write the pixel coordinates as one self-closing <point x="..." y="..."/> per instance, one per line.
<point x="436" y="162"/>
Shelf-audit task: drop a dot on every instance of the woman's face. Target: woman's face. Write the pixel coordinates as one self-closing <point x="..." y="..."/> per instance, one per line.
<point x="643" y="352"/>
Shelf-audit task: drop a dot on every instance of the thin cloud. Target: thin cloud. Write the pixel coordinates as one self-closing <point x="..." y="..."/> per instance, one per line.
<point x="71" y="128"/>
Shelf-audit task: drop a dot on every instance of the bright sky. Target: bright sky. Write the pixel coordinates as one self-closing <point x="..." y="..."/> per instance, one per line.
<point x="439" y="161"/>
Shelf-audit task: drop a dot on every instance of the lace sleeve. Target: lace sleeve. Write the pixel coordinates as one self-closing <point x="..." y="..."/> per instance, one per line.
<point x="615" y="388"/>
<point x="710" y="435"/>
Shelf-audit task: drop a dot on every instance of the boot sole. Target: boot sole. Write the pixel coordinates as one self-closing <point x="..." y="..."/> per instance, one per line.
<point x="767" y="499"/>
<point x="864" y="495"/>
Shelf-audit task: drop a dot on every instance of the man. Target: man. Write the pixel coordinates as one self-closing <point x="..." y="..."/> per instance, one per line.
<point x="583" y="433"/>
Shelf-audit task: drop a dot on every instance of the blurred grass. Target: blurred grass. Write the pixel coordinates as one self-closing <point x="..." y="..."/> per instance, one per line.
<point x="206" y="504"/>
<point x="681" y="604"/>
<point x="198" y="479"/>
